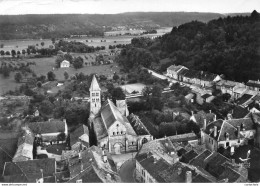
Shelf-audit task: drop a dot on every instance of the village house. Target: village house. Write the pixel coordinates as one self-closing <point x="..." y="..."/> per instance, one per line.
<point x="112" y="129"/>
<point x="64" y="64"/>
<point x="31" y="171"/>
<point x="253" y="85"/>
<point x="239" y="91"/>
<point x="79" y="138"/>
<point x="220" y="167"/>
<point x="50" y="132"/>
<point x="173" y="71"/>
<point x="229" y="133"/>
<point x="158" y="162"/>
<point x="92" y="166"/>
<point x="227" y="86"/>
<point x="24" y="149"/>
<point x="201" y="78"/>
<point x="202" y="119"/>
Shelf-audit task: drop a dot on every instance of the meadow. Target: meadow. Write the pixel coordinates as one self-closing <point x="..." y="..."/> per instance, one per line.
<point x="44" y="65"/>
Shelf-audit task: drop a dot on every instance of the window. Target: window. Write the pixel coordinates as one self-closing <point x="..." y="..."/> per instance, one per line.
<point x="132" y="142"/>
<point x="97" y="94"/>
<point x="227" y="144"/>
<point x="117" y="125"/>
<point x="113" y="133"/>
<point x="93" y="100"/>
<point x="93" y="94"/>
<point x="122" y="132"/>
<point x="97" y="99"/>
<point x="117" y="133"/>
<point x="209" y="140"/>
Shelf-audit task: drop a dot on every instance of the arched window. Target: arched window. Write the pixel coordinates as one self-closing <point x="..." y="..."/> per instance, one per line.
<point x="122" y="132"/>
<point x="117" y="133"/>
<point x="113" y="133"/>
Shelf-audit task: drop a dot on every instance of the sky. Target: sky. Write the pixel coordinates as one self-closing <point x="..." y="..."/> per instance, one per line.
<point x="119" y="6"/>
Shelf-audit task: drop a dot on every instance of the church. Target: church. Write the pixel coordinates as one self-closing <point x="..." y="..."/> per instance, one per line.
<point x="113" y="131"/>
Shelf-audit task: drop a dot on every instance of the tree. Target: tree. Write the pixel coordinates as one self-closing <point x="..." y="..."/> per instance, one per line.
<point x="28" y="51"/>
<point x="66" y="75"/>
<point x="51" y="76"/>
<point x="42" y="43"/>
<point x="46" y="107"/>
<point x="18" y="52"/>
<point x="7" y="53"/>
<point x="156" y="91"/>
<point x="23" y="52"/>
<point x="13" y="53"/>
<point x="53" y="40"/>
<point x="5" y="71"/>
<point x="58" y="61"/>
<point x="78" y="62"/>
<point x="115" y="77"/>
<point x="18" y="77"/>
<point x="117" y="94"/>
<point x="2" y="53"/>
<point x="39" y="84"/>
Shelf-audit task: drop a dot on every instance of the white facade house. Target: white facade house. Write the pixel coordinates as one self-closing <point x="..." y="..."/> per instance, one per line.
<point x="64" y="64"/>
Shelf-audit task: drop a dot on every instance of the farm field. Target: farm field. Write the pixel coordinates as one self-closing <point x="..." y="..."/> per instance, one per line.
<point x="44" y="65"/>
<point x="92" y="41"/>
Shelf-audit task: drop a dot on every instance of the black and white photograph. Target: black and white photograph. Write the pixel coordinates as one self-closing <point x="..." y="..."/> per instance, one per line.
<point x="129" y="91"/>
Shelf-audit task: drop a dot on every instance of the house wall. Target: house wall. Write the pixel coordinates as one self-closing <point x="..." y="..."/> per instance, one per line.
<point x="232" y="143"/>
<point x="142" y="175"/>
<point x="211" y="144"/>
<point x="199" y="99"/>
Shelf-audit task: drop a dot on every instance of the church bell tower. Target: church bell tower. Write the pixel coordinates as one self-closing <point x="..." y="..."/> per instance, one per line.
<point x="95" y="96"/>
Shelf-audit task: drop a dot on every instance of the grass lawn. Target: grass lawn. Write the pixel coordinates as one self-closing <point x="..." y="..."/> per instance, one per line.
<point x="44" y="65"/>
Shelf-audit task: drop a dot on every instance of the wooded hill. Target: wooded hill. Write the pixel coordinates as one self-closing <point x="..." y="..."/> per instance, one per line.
<point x="64" y="25"/>
<point x="228" y="46"/>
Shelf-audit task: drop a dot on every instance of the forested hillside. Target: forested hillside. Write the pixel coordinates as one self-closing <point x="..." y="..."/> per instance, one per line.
<point x="228" y="46"/>
<point x="48" y="26"/>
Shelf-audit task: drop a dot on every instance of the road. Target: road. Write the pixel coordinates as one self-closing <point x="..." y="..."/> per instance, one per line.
<point x="126" y="171"/>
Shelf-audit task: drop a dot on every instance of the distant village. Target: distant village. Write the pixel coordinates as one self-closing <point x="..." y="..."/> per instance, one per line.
<point x="183" y="158"/>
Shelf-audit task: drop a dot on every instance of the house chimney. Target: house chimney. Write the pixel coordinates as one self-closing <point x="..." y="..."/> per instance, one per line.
<point x="81" y="167"/>
<point x="64" y="120"/>
<point x="192" y="113"/>
<point x="227" y="136"/>
<point x="238" y="132"/>
<point x="103" y="152"/>
<point x="188" y="177"/>
<point x="209" y="111"/>
<point x="80" y="157"/>
<point x="105" y="158"/>
<point x="215" y="117"/>
<point x="205" y="124"/>
<point x="215" y="131"/>
<point x="179" y="170"/>
<point x="232" y="150"/>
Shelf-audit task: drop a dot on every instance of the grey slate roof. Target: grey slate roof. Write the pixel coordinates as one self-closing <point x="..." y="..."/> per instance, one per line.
<point x="29" y="170"/>
<point x="76" y="134"/>
<point x="109" y="115"/>
<point x="46" y="127"/>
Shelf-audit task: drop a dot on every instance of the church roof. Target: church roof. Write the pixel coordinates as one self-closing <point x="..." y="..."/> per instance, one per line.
<point x="110" y="114"/>
<point x="94" y="84"/>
